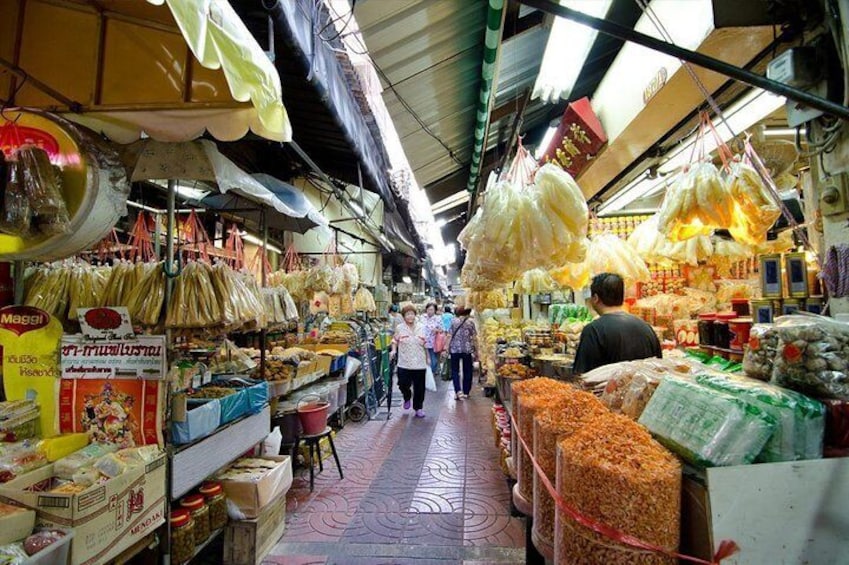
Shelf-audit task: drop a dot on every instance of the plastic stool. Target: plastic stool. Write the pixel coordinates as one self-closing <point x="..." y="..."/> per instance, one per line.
<point x="312" y="442"/>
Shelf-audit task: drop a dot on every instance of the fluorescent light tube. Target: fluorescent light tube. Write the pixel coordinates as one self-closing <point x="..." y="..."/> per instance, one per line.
<point x="543" y="145"/>
<point x="407" y="280"/>
<point x="568" y="46"/>
<point x="258" y="242"/>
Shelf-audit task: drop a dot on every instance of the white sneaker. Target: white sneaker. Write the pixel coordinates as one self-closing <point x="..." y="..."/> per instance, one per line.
<point x="464" y="396"/>
<point x="458" y="396"/>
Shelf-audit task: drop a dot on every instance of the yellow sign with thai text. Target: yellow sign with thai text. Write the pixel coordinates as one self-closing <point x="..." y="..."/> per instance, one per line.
<point x="30" y="340"/>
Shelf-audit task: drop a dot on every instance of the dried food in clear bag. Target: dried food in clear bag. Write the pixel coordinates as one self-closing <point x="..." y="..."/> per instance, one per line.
<point x="86" y="287"/>
<point x="66" y="467"/>
<point x="17" y="213"/>
<point x="757" y="210"/>
<point x="144" y="302"/>
<point x="550" y="428"/>
<point x="613" y="472"/>
<point x="706" y="427"/>
<point x="50" y="291"/>
<point x="801" y="420"/>
<point x="13" y="554"/>
<point x="42" y="186"/>
<point x="813" y="356"/>
<point x="41" y="540"/>
<point x="759" y="358"/>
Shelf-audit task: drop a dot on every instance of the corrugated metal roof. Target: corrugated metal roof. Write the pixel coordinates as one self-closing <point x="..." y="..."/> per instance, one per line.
<point x="431" y="53"/>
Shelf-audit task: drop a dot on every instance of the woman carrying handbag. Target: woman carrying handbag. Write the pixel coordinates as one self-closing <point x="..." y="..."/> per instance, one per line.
<point x="462" y="347"/>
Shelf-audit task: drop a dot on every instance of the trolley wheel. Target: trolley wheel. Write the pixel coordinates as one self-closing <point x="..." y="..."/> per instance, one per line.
<point x="357" y="412"/>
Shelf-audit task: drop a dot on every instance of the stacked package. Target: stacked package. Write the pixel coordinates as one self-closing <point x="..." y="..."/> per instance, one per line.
<point x="706" y="427"/>
<point x="813" y="356"/>
<point x="801" y="420"/>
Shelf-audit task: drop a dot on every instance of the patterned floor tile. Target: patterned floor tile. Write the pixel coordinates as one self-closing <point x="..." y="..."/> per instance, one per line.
<point x="499" y="531"/>
<point x="383" y="528"/>
<point x="434" y="529"/>
<point x="317" y="526"/>
<point x="437" y="500"/>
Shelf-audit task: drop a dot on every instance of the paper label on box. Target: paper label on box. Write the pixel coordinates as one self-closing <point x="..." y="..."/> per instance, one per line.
<point x="138" y="358"/>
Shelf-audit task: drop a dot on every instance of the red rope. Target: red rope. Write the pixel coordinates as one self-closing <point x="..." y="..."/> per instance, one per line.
<point x="726" y="547"/>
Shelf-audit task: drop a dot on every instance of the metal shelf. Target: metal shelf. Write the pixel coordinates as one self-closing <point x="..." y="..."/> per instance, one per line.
<point x="192" y="464"/>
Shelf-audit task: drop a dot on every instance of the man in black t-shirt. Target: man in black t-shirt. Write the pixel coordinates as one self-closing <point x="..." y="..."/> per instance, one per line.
<point x="615" y="335"/>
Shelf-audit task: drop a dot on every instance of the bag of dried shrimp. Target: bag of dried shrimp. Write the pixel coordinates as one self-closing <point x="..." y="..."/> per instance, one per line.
<point x="613" y="472"/>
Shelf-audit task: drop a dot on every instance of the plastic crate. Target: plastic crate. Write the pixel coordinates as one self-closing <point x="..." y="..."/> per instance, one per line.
<point x="54" y="554"/>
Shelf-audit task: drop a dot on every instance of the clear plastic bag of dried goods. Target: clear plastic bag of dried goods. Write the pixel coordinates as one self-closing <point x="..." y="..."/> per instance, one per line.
<point x="86" y="286"/>
<point x="42" y="186"/>
<point x="609" y="254"/>
<point x="801" y="420"/>
<point x="759" y="358"/>
<point x="813" y="356"/>
<point x="364" y="301"/>
<point x="49" y="290"/>
<point x="756" y="210"/>
<point x="144" y="301"/>
<point x="17" y="213"/>
<point x="613" y="472"/>
<point x="706" y="427"/>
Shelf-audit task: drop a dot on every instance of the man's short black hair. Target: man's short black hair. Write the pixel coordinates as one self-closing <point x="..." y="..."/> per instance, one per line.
<point x="447" y="309"/>
<point x="610" y="289"/>
<point x="429" y="304"/>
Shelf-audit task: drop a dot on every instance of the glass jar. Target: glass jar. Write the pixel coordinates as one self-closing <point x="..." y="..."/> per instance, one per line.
<point x="182" y="536"/>
<point x="721" y="330"/>
<point x="217" y="503"/>
<point x="706" y="329"/>
<point x="196" y="504"/>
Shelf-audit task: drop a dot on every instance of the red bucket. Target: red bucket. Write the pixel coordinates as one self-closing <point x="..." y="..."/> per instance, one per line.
<point x="313" y="416"/>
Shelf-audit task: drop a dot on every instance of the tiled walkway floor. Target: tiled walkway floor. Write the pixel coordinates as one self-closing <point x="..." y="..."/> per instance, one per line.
<point x="415" y="491"/>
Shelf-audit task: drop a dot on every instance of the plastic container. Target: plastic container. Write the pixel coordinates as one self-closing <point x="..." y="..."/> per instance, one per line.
<point x="21" y="426"/>
<point x="706" y="322"/>
<point x="739" y="328"/>
<point x="313" y="415"/>
<point x="182" y="536"/>
<point x="54" y="553"/>
<point x="217" y="504"/>
<point x="196" y="504"/>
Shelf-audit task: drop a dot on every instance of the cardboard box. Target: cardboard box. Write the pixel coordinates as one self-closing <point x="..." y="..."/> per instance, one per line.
<point x="340" y="347"/>
<point x="106" y="518"/>
<point x="323" y="363"/>
<point x="247" y="542"/>
<point x="252" y="497"/>
<point x="16" y="523"/>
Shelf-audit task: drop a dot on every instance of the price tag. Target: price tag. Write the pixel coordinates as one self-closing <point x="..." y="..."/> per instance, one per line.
<point x="196" y="381"/>
<point x="206" y="377"/>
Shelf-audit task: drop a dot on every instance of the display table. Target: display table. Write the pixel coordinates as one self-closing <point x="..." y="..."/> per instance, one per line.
<point x="792" y="512"/>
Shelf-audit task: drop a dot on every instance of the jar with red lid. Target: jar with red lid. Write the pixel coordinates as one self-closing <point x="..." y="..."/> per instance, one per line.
<point x="706" y="322"/>
<point x="741" y="307"/>
<point x="721" y="330"/>
<point x="217" y="503"/>
<point x="182" y="536"/>
<point x="196" y="504"/>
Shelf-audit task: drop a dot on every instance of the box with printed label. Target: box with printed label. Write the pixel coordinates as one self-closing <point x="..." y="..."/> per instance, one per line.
<point x="107" y="518"/>
<point x="251" y="483"/>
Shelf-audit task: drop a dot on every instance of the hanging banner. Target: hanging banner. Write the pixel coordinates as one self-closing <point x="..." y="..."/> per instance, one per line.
<point x="578" y="139"/>
<point x="30" y="339"/>
<point x="127" y="412"/>
<point x="142" y="357"/>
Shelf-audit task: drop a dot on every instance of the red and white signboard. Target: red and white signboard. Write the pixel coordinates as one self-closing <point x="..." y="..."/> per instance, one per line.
<point x="578" y="138"/>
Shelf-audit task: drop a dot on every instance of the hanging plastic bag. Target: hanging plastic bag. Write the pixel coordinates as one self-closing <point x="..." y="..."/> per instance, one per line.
<point x="430" y="381"/>
<point x="17" y="214"/>
<point x="320" y="303"/>
<point x="756" y="210"/>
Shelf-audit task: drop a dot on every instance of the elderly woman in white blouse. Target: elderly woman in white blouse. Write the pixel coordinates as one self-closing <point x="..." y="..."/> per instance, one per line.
<point x="409" y="347"/>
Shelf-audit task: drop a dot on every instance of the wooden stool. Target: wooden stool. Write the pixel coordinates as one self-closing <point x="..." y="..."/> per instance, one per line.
<point x="312" y="442"/>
